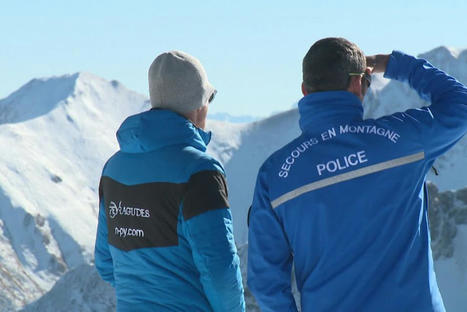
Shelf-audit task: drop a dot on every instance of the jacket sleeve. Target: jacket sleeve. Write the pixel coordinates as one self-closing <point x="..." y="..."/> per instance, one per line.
<point x="102" y="256"/>
<point x="444" y="122"/>
<point x="269" y="255"/>
<point x="209" y="230"/>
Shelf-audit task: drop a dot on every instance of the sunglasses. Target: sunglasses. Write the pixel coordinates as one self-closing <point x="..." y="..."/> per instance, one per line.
<point x="211" y="98"/>
<point x="365" y="75"/>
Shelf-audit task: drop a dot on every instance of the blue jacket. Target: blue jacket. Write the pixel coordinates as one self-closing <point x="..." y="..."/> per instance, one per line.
<point x="345" y="202"/>
<point x="165" y="237"/>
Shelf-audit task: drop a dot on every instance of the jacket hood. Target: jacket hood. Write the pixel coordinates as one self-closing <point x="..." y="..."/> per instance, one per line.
<point x="158" y="128"/>
<point x="327" y="108"/>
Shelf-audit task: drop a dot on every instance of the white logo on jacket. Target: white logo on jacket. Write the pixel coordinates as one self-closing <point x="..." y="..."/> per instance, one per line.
<point x="342" y="163"/>
<point x="115" y="210"/>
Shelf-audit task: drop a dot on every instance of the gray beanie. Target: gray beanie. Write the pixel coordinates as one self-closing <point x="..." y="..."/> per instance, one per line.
<point x="177" y="81"/>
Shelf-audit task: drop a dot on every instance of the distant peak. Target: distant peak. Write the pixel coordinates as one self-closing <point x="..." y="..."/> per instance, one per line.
<point x="40" y="82"/>
<point x="86" y="76"/>
<point x="221" y="116"/>
<point x="455" y="51"/>
<point x="90" y="79"/>
<point x="462" y="55"/>
<point x="442" y="52"/>
<point x="36" y="98"/>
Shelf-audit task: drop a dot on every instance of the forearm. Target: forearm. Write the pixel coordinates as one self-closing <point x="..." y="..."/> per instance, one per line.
<point x="431" y="83"/>
<point x="102" y="256"/>
<point x="104" y="265"/>
<point x="269" y="267"/>
<point x="215" y="255"/>
<point x="444" y="122"/>
<point x="269" y="255"/>
<point x="222" y="282"/>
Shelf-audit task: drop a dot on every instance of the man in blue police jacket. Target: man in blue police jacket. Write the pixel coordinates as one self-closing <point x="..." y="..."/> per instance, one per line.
<point x="165" y="237"/>
<point x="346" y="202"/>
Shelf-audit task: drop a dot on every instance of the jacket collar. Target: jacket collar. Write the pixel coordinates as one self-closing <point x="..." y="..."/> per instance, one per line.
<point x="158" y="128"/>
<point x="322" y="109"/>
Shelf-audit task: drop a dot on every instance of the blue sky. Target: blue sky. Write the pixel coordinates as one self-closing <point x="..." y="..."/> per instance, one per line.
<point x="252" y="50"/>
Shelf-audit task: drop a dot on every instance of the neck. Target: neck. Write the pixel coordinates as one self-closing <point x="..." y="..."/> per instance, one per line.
<point x="323" y="109"/>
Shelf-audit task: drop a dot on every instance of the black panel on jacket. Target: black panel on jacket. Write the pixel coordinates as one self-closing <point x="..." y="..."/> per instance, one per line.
<point x="142" y="215"/>
<point x="206" y="190"/>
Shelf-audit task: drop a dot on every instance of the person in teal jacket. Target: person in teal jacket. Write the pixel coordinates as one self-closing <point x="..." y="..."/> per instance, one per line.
<point x="165" y="235"/>
<point x="345" y="203"/>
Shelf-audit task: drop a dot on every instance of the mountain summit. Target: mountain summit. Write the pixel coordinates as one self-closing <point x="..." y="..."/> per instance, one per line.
<point x="56" y="134"/>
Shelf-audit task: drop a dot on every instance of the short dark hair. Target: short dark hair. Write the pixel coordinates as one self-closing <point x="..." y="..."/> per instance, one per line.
<point x="329" y="61"/>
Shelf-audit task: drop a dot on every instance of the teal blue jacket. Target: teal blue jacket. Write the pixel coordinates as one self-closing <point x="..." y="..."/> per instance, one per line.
<point x="165" y="237"/>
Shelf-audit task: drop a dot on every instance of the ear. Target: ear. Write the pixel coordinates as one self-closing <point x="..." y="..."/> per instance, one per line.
<point x="304" y="92"/>
<point x="199" y="109"/>
<point x="355" y="86"/>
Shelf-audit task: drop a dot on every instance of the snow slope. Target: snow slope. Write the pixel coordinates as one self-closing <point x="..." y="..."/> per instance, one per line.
<point x="448" y="225"/>
<point x="243" y="152"/>
<point x="57" y="133"/>
<point x="232" y="118"/>
<point x="88" y="293"/>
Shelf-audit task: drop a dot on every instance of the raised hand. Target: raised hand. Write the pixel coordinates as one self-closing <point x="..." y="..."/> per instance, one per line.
<point x="377" y="63"/>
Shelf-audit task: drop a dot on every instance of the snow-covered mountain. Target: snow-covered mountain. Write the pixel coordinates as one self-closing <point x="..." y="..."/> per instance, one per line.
<point x="232" y="118"/>
<point x="81" y="290"/>
<point x="57" y="133"/>
<point x="243" y="148"/>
